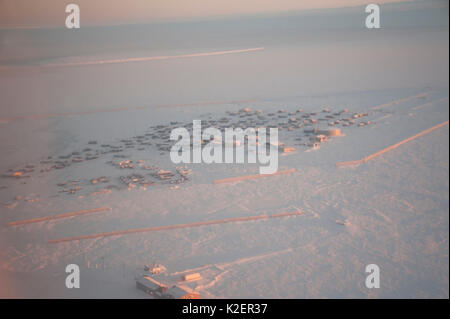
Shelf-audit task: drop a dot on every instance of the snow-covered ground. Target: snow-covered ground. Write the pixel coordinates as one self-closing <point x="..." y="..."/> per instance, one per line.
<point x="391" y="211"/>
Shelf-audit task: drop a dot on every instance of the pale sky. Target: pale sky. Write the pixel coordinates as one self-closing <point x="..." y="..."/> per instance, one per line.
<point x="39" y="13"/>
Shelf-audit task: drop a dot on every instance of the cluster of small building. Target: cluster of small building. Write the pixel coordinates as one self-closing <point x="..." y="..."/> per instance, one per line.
<point x="148" y="284"/>
<point x="158" y="137"/>
<point x="317" y="136"/>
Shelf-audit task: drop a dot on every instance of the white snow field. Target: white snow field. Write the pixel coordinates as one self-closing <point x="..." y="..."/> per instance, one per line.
<point x="88" y="117"/>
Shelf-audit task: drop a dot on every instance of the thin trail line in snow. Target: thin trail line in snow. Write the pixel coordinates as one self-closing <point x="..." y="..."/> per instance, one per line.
<point x="227" y="266"/>
<point x="387" y="149"/>
<point x="212" y="282"/>
<point x="149" y="58"/>
<point x="245" y="260"/>
<point x="382" y="118"/>
<point x="66" y="215"/>
<point x="429" y="103"/>
<point x="243" y="178"/>
<point x="190" y="270"/>
<point x="178" y="226"/>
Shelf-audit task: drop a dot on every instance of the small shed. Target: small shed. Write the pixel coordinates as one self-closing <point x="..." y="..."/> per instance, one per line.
<point x="191" y="277"/>
<point x="330" y="132"/>
<point x="286" y="149"/>
<point x="314" y="145"/>
<point x="318" y="138"/>
<point x="310" y="130"/>
<point x="155" y="268"/>
<point x="275" y="144"/>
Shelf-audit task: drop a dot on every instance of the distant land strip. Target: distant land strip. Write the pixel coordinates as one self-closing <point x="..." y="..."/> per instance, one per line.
<point x="247" y="177"/>
<point x="387" y="149"/>
<point x="149" y="58"/>
<point x="122" y="109"/>
<point x="160" y="228"/>
<point x="206" y="103"/>
<point x="60" y="216"/>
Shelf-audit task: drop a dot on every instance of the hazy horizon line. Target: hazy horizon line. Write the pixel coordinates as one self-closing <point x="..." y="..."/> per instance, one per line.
<point x="218" y="17"/>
